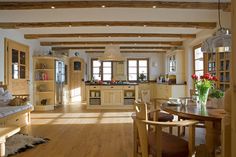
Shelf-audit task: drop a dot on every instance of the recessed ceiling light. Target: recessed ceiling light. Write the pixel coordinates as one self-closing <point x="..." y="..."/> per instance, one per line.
<point x="154" y="6"/>
<point x="69" y="25"/>
<point x="107" y="25"/>
<point x="52" y="7"/>
<point x="144" y="25"/>
<point x="139" y="36"/>
<point x="103" y="6"/>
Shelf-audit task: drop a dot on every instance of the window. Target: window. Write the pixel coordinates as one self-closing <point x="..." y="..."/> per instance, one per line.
<point x="198" y="64"/>
<point x="172" y="63"/>
<point x="101" y="70"/>
<point x="137" y="67"/>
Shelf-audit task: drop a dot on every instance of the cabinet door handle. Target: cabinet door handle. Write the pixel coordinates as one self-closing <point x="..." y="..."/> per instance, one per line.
<point x="112" y="87"/>
<point x="94" y="87"/>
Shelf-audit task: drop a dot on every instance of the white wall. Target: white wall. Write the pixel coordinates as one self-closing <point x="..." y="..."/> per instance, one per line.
<point x="201" y="36"/>
<point x="34" y="46"/>
<point x="154" y="72"/>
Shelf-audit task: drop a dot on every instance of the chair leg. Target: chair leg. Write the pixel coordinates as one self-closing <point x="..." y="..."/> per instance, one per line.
<point x="135" y="134"/>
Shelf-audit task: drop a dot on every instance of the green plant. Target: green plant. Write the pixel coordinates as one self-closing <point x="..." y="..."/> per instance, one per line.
<point x="216" y="93"/>
<point x="142" y="77"/>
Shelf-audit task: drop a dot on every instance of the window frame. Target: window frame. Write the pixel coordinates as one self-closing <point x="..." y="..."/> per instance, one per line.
<point x="194" y="59"/>
<point x="101" y="68"/>
<point x="137" y="59"/>
<point x="171" y="59"/>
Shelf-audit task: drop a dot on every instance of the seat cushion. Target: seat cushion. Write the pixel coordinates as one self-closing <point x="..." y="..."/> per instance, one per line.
<point x="172" y="146"/>
<point x="162" y="117"/>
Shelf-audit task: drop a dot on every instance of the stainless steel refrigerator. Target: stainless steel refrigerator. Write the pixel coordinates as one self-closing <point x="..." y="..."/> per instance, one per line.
<point x="60" y="80"/>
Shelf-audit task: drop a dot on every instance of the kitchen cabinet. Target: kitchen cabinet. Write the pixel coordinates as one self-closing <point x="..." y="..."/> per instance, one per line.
<point x="111" y="96"/>
<point x="165" y="91"/>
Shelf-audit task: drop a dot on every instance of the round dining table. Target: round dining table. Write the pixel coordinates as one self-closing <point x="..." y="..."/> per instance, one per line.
<point x="209" y="115"/>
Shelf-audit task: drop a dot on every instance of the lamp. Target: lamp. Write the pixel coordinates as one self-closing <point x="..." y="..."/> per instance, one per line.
<point x="221" y="39"/>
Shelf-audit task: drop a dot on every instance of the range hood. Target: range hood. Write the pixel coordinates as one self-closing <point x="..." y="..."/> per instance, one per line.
<point x="112" y="53"/>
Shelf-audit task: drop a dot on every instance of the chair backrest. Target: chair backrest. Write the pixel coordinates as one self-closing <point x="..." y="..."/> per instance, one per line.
<point x="141" y="114"/>
<point x="145" y="96"/>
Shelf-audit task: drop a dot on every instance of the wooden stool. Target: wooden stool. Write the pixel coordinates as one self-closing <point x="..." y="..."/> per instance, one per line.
<point x="5" y="133"/>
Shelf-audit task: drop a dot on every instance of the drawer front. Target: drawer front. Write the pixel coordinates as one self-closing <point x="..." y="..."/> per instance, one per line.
<point x="128" y="87"/>
<point x="20" y="120"/>
<point x="94" y="87"/>
<point x="112" y="87"/>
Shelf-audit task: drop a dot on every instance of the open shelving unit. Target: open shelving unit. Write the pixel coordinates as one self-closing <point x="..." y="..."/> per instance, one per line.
<point x="129" y="97"/>
<point x="95" y="97"/>
<point x="44" y="83"/>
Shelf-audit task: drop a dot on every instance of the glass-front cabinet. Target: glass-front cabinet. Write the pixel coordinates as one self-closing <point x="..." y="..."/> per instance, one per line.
<point x="218" y="64"/>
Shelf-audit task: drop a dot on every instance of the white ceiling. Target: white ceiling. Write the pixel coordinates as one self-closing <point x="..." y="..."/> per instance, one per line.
<point x="112" y="14"/>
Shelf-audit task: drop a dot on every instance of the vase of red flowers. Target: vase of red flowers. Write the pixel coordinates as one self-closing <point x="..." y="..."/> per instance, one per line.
<point x="203" y="85"/>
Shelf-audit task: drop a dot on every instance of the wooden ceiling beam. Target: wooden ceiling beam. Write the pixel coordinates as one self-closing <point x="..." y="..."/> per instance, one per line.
<point x="172" y="43"/>
<point x="109" y="4"/>
<point x="76" y="48"/>
<point x="199" y="25"/>
<point x="144" y="47"/>
<point x="128" y="51"/>
<point x="95" y="35"/>
<point x="103" y="48"/>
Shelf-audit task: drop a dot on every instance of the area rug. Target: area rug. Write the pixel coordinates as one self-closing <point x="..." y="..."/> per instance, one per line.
<point x="21" y="142"/>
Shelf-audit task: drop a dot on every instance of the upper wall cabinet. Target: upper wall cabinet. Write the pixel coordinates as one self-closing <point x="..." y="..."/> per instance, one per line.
<point x="175" y="65"/>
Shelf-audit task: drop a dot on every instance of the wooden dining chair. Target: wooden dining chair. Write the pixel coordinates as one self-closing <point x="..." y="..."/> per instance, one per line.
<point x="154" y="104"/>
<point x="157" y="143"/>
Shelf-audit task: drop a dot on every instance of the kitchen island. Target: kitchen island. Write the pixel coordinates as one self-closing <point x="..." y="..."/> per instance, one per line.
<point x="111" y="96"/>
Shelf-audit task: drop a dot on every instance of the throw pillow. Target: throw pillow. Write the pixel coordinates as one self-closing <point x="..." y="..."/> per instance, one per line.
<point x="18" y="102"/>
<point x="1" y="91"/>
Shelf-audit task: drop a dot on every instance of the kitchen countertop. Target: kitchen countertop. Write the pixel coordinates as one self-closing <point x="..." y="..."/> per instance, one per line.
<point x="126" y="84"/>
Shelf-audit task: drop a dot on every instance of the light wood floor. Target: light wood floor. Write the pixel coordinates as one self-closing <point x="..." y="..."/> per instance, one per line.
<point x="76" y="132"/>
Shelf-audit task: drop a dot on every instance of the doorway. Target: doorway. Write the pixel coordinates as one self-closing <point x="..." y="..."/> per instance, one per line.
<point x="16" y="67"/>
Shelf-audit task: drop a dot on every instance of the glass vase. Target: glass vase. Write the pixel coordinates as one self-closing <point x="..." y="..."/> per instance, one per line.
<point x="203" y="95"/>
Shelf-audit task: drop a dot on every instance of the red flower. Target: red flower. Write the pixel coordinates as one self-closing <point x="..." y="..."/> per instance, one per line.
<point x="214" y="78"/>
<point x="194" y="76"/>
<point x="207" y="76"/>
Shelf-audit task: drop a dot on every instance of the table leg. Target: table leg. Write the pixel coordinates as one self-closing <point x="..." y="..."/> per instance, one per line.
<point x="2" y="147"/>
<point x="212" y="137"/>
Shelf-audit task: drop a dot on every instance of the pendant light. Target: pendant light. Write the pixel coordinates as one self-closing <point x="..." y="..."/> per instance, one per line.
<point x="221" y="39"/>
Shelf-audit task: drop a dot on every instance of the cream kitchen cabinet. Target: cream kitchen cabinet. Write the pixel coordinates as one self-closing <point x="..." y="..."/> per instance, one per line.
<point x="112" y="97"/>
<point x="165" y="91"/>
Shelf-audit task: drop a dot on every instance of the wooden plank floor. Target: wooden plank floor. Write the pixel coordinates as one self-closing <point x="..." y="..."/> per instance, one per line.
<point x="76" y="132"/>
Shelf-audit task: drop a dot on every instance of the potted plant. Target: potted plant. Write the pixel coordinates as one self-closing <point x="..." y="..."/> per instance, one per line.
<point x="142" y="77"/>
<point x="216" y="98"/>
<point x="203" y="85"/>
